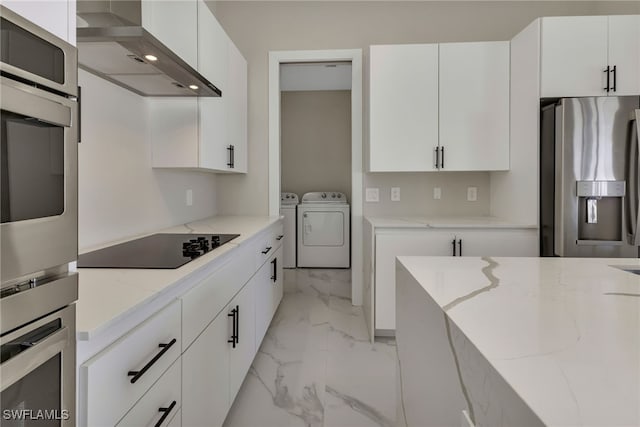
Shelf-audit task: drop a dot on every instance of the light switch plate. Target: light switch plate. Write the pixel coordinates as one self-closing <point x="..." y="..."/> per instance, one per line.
<point x="395" y="194"/>
<point x="472" y="194"/>
<point x="437" y="193"/>
<point x="372" y="195"/>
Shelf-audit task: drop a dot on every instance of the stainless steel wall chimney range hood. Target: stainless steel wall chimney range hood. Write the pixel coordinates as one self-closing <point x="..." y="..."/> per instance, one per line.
<point x="113" y="44"/>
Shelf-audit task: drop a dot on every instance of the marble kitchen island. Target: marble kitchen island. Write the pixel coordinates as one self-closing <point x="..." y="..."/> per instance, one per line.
<point x="518" y="342"/>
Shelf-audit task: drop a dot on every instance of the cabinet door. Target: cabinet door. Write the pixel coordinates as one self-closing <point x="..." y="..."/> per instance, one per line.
<point x="237" y="108"/>
<point x="388" y="247"/>
<point x="263" y="286"/>
<point x="242" y="355"/>
<point x="175" y="24"/>
<point x="624" y="53"/>
<point x="573" y="56"/>
<point x="403" y="109"/>
<point x="212" y="48"/>
<point x="499" y="242"/>
<point x="277" y="282"/>
<point x="474" y="106"/>
<point x="205" y="376"/>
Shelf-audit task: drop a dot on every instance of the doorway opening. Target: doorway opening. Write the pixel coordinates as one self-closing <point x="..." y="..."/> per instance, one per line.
<point x="315" y="135"/>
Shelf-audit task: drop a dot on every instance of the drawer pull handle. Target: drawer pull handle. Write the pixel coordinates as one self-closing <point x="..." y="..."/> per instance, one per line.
<point x="266" y="251"/>
<point x="165" y="412"/>
<point x="280" y="237"/>
<point x="137" y="374"/>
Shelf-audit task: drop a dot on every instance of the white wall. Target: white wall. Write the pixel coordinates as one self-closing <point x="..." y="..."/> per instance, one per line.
<point x="119" y="194"/>
<point x="259" y="27"/>
<point x="315" y="141"/>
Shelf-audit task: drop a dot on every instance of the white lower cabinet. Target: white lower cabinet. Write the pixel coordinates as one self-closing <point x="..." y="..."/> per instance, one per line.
<point x="269" y="291"/>
<point x="205" y="375"/>
<point x="117" y="377"/>
<point x="245" y="349"/>
<point x="161" y="403"/>
<point x="440" y="242"/>
<point x="195" y="352"/>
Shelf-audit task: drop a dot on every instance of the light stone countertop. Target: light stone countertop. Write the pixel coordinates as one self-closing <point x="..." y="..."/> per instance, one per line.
<point x="564" y="333"/>
<point x="108" y="296"/>
<point x="409" y="221"/>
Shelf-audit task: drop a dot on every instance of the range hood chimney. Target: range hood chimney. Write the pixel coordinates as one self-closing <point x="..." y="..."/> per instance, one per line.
<point x="113" y="45"/>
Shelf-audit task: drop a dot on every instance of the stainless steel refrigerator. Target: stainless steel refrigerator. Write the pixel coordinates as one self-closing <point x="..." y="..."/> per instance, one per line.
<point x="589" y="178"/>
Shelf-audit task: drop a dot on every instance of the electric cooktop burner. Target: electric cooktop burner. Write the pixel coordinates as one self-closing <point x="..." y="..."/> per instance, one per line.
<point x="162" y="250"/>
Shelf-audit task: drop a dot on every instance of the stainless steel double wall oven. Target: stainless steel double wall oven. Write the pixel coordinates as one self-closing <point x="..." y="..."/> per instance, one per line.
<point x="39" y="224"/>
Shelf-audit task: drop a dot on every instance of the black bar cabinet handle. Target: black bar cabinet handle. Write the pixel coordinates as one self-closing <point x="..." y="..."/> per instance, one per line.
<point x="441" y="157"/>
<point x="231" y="163"/>
<point x="615" y="72"/>
<point x="460" y="247"/>
<point x="267" y="249"/>
<point x="234" y="332"/>
<point x="453" y="244"/>
<point x="233" y="156"/>
<point x="138" y="374"/>
<point x="274" y="278"/>
<point x="607" y="73"/>
<point x="165" y="412"/>
<point x="437" y="150"/>
<point x="237" y="324"/>
<point x="280" y="237"/>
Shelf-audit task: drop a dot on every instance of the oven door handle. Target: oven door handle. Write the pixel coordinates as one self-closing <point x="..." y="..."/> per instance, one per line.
<point x="39" y="352"/>
<point x="28" y="104"/>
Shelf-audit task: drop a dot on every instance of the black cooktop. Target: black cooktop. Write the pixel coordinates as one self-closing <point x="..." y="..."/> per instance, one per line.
<point x="160" y="250"/>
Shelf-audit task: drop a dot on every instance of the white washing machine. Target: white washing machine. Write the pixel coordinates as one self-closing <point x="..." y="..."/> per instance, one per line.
<point x="324" y="234"/>
<point x="288" y="209"/>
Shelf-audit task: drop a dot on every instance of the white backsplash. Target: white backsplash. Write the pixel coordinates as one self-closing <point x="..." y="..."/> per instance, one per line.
<point x="120" y="195"/>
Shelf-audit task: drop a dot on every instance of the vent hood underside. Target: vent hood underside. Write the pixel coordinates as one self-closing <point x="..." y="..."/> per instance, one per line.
<point x="118" y="54"/>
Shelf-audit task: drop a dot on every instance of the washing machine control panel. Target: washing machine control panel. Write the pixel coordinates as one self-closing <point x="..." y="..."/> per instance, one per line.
<point x="288" y="198"/>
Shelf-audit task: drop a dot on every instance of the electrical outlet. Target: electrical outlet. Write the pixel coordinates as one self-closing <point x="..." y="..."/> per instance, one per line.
<point x="472" y="194"/>
<point x="395" y="194"/>
<point x="372" y="195"/>
<point x="189" y="198"/>
<point x="437" y="193"/>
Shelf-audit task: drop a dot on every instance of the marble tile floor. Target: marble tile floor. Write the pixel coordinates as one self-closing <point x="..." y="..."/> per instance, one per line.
<point x="316" y="366"/>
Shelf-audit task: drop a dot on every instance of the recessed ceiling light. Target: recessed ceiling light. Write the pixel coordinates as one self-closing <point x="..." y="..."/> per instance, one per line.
<point x="194" y="87"/>
<point x="151" y="57"/>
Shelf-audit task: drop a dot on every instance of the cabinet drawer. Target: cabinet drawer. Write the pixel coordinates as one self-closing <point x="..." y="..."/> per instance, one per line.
<point x="267" y="243"/>
<point x="105" y="379"/>
<point x="203" y="303"/>
<point x="163" y="400"/>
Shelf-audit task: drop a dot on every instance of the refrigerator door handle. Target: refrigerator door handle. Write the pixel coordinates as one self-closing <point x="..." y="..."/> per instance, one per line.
<point x="634" y="180"/>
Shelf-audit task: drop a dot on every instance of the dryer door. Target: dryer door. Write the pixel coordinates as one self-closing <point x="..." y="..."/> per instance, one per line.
<point x="323" y="228"/>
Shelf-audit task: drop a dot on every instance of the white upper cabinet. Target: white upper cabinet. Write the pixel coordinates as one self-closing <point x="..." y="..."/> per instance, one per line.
<point x="56" y="16"/>
<point x="205" y="133"/>
<point x="439" y="107"/>
<point x="403" y="107"/>
<point x="579" y="53"/>
<point x="236" y="109"/>
<point x="174" y="23"/>
<point x="474" y="106"/>
<point x="212" y="47"/>
<point x="624" y="53"/>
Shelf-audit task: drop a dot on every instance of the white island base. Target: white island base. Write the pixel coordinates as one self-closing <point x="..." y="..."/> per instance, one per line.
<point x="517" y="342"/>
